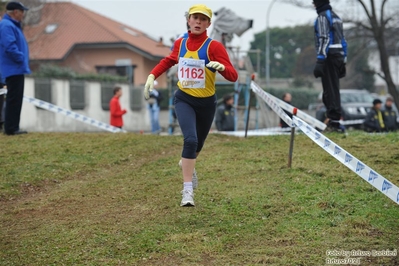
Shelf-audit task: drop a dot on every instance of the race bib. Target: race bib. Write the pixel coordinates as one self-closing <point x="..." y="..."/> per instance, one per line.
<point x="191" y="73"/>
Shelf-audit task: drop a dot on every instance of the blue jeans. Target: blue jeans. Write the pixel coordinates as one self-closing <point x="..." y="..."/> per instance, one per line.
<point x="154" y="117"/>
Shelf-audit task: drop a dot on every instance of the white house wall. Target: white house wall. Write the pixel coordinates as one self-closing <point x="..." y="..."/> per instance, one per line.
<point x="34" y="119"/>
<point x="39" y="120"/>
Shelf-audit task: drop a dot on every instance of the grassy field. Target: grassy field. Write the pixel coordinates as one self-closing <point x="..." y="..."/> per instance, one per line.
<point x="113" y="199"/>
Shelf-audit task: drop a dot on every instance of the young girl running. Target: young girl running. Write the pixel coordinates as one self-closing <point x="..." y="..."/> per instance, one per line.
<point x="198" y="58"/>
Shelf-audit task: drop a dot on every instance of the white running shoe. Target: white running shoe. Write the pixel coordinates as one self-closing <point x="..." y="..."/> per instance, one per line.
<point x="195" y="178"/>
<point x="188" y="198"/>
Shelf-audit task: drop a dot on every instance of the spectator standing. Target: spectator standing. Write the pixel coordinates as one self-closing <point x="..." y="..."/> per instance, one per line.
<point x="198" y="58"/>
<point x="374" y="121"/>
<point x="14" y="64"/>
<point x="331" y="49"/>
<point x="225" y="114"/>
<point x="390" y="116"/>
<point x="2" y="94"/>
<point x="154" y="108"/>
<point x="115" y="110"/>
<point x="286" y="98"/>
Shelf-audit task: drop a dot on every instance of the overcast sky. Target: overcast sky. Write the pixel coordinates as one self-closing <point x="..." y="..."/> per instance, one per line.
<point x="165" y="18"/>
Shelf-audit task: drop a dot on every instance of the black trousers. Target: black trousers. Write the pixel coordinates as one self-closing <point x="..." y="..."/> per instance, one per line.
<point x="1" y="107"/>
<point x="15" y="94"/>
<point x="330" y="81"/>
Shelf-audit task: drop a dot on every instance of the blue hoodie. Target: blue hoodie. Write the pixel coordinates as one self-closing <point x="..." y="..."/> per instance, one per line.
<point x="14" y="51"/>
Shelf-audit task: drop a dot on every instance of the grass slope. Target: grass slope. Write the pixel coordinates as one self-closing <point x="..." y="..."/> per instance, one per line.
<point x="113" y="199"/>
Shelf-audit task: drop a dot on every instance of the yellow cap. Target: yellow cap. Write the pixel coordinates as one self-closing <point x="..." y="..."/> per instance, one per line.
<point x="202" y="9"/>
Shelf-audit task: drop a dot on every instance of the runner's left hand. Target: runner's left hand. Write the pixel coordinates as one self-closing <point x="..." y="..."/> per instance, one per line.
<point x="216" y="65"/>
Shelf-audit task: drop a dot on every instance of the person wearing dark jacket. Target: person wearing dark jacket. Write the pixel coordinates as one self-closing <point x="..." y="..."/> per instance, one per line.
<point x="374" y="121"/>
<point x="390" y="116"/>
<point x="14" y="64"/>
<point x="154" y="107"/>
<point x="225" y="113"/>
<point x="2" y="93"/>
<point x="330" y="65"/>
<point x="287" y="97"/>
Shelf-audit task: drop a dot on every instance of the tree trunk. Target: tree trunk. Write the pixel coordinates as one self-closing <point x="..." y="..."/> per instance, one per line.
<point x="379" y="36"/>
<point x="384" y="58"/>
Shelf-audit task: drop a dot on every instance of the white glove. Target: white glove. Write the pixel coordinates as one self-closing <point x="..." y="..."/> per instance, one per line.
<point x="149" y="86"/>
<point x="216" y="65"/>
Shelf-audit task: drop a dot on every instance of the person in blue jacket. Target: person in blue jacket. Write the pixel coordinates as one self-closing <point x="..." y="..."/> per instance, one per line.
<point x="2" y="92"/>
<point x="331" y="48"/>
<point x="14" y="64"/>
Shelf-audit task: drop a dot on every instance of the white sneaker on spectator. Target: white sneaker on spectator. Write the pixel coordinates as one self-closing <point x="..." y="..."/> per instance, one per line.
<point x="188" y="198"/>
<point x="195" y="178"/>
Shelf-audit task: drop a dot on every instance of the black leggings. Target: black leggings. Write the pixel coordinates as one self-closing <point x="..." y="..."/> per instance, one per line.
<point x="195" y="116"/>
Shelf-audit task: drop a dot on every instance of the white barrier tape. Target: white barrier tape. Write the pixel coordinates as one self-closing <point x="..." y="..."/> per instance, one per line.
<point x="369" y="175"/>
<point x="241" y="133"/>
<point x="59" y="110"/>
<point x="3" y="91"/>
<point x="270" y="129"/>
<point x="352" y="122"/>
<point x="275" y="129"/>
<point x="308" y="118"/>
<point x="268" y="99"/>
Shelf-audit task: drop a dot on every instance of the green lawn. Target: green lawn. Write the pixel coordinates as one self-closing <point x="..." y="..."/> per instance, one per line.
<point x="113" y="199"/>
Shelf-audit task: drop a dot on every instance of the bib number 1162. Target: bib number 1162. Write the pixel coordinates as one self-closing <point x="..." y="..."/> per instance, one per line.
<point x="191" y="73"/>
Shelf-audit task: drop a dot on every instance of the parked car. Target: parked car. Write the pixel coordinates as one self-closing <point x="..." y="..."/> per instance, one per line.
<point x="355" y="104"/>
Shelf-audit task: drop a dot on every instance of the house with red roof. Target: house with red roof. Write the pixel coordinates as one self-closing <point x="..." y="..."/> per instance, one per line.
<point x="69" y="35"/>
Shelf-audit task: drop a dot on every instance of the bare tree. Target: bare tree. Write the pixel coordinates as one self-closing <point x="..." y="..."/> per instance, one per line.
<point x="34" y="14"/>
<point x="377" y="25"/>
<point x="378" y="17"/>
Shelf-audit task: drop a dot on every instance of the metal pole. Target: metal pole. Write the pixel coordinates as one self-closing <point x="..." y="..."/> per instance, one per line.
<point x="248" y="103"/>
<point x="258" y="61"/>
<point x="236" y="95"/>
<point x="171" y="107"/>
<point x="248" y="106"/>
<point x="292" y="141"/>
<point x="397" y="58"/>
<point x="247" y="122"/>
<point x="267" y="48"/>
